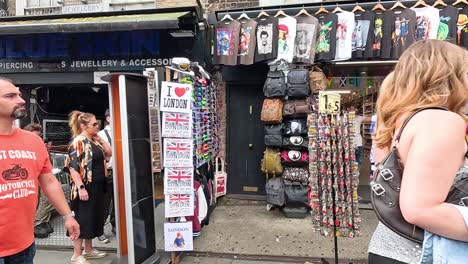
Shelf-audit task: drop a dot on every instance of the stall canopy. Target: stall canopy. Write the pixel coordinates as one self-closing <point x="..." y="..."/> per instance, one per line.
<point x="173" y="19"/>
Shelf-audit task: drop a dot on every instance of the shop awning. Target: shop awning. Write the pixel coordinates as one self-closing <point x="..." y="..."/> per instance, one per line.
<point x="93" y="24"/>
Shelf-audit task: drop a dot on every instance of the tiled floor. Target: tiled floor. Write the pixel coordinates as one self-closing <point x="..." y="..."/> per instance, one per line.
<point x="58" y="238"/>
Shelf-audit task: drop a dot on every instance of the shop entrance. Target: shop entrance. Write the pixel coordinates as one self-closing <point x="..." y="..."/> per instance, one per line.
<point x="245" y="138"/>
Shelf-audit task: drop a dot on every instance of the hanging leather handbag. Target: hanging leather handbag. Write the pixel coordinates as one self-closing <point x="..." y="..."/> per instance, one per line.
<point x="295" y="127"/>
<point x="274" y="129"/>
<point x="293" y="174"/>
<point x="272" y="111"/>
<point x="296" y="194"/>
<point x="296" y="108"/>
<point x="385" y="195"/>
<point x="295" y="142"/>
<point x="294" y="157"/>
<point x="298" y="83"/>
<point x="275" y="84"/>
<point x="273" y="135"/>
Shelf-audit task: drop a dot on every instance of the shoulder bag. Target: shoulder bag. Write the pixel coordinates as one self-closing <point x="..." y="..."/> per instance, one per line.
<point x="385" y="195"/>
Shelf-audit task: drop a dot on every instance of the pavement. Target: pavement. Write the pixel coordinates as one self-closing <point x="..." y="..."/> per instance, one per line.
<point x="244" y="232"/>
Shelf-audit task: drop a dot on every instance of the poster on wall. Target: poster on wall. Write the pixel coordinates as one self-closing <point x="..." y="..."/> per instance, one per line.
<point x="178" y="237"/>
<point x="177" y="205"/>
<point x="178" y="152"/>
<point x="178" y="181"/>
<point x="177" y="125"/>
<point x="176" y="97"/>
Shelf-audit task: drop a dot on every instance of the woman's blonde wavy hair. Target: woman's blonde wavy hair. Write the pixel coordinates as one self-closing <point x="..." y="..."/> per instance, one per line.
<point x="429" y="73"/>
<point x="76" y="118"/>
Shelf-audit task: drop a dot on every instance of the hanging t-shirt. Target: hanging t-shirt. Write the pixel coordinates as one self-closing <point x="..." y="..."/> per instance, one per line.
<point x="247" y="41"/>
<point x="344" y="36"/>
<point x="267" y="36"/>
<point x="403" y="30"/>
<point x="427" y="22"/>
<point x="379" y="39"/>
<point x="448" y="17"/>
<point x="462" y="28"/>
<point x="227" y="42"/>
<point x="286" y="37"/>
<point x="325" y="48"/>
<point x="306" y="37"/>
<point x="363" y="35"/>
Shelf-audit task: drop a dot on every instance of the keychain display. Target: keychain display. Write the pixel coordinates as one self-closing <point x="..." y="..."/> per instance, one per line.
<point x="334" y="175"/>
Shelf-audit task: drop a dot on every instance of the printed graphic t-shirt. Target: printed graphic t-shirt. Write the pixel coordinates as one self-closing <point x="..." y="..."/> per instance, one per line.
<point x="227" y="42"/>
<point x="462" y="28"/>
<point x="402" y="25"/>
<point x="247" y="41"/>
<point x="325" y="48"/>
<point x="448" y="17"/>
<point x="23" y="157"/>
<point x="267" y="39"/>
<point x="286" y="37"/>
<point x="381" y="35"/>
<point x="427" y="23"/>
<point x="363" y="35"/>
<point x="344" y="36"/>
<point x="306" y="37"/>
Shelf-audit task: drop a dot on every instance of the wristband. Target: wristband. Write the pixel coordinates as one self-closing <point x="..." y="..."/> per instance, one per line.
<point x="69" y="215"/>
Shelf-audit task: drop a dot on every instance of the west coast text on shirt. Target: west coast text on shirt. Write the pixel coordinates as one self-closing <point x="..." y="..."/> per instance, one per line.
<point x="23" y="157"/>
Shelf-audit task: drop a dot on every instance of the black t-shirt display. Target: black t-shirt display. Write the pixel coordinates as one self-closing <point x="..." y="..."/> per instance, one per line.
<point x="247" y="41"/>
<point x="448" y="24"/>
<point x="401" y="27"/>
<point x="387" y="31"/>
<point x="227" y="42"/>
<point x="363" y="35"/>
<point x="462" y="28"/>
<point x="379" y="38"/>
<point x="267" y="38"/>
<point x="326" y="41"/>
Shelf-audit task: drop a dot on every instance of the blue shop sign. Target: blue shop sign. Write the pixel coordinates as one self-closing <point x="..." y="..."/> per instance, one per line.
<point x="81" y="51"/>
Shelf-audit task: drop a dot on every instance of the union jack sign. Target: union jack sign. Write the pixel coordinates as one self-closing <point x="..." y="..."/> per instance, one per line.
<point x="177" y="125"/>
<point x="178" y="181"/>
<point x="177" y="205"/>
<point x="178" y="153"/>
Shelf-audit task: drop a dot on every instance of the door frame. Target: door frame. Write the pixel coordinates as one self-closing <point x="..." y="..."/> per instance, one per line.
<point x="229" y="87"/>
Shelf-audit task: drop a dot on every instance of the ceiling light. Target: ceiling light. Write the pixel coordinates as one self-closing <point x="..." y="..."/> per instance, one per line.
<point x="182" y="34"/>
<point x="96" y="89"/>
<point x="339" y="91"/>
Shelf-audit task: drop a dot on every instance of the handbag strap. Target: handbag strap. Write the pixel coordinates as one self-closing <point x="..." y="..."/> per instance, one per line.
<point x="397" y="138"/>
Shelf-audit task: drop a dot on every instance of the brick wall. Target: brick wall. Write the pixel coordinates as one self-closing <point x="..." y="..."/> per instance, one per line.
<point x="214" y="5"/>
<point x="175" y="3"/>
<point x="209" y="5"/>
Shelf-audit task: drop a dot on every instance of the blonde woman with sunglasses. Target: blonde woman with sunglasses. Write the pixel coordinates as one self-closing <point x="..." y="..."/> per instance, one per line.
<point x="432" y="147"/>
<point x="86" y="163"/>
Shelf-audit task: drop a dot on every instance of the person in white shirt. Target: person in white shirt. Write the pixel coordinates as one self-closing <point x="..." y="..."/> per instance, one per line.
<point x="106" y="135"/>
<point x="360" y="119"/>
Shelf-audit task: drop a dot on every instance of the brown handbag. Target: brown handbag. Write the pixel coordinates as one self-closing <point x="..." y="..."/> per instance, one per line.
<point x="296" y="108"/>
<point x="272" y="111"/>
<point x="385" y="195"/>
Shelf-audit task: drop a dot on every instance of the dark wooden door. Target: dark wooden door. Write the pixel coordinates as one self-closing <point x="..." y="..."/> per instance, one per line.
<point x="245" y="139"/>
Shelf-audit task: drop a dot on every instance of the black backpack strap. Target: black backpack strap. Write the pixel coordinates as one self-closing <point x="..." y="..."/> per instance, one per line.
<point x="397" y="138"/>
<point x="108" y="136"/>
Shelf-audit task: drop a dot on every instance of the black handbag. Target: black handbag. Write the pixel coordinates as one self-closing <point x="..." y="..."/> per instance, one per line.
<point x="295" y="142"/>
<point x="295" y="127"/>
<point x="385" y="195"/>
<point x="274" y="129"/>
<point x="273" y="140"/>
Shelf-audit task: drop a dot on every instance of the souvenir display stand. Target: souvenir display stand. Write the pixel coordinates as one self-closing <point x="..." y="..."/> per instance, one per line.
<point x="189" y="128"/>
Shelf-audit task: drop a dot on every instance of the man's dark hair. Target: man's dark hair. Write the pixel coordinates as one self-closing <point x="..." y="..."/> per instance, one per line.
<point x="33" y="127"/>
<point x="107" y="113"/>
<point x="263" y="33"/>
